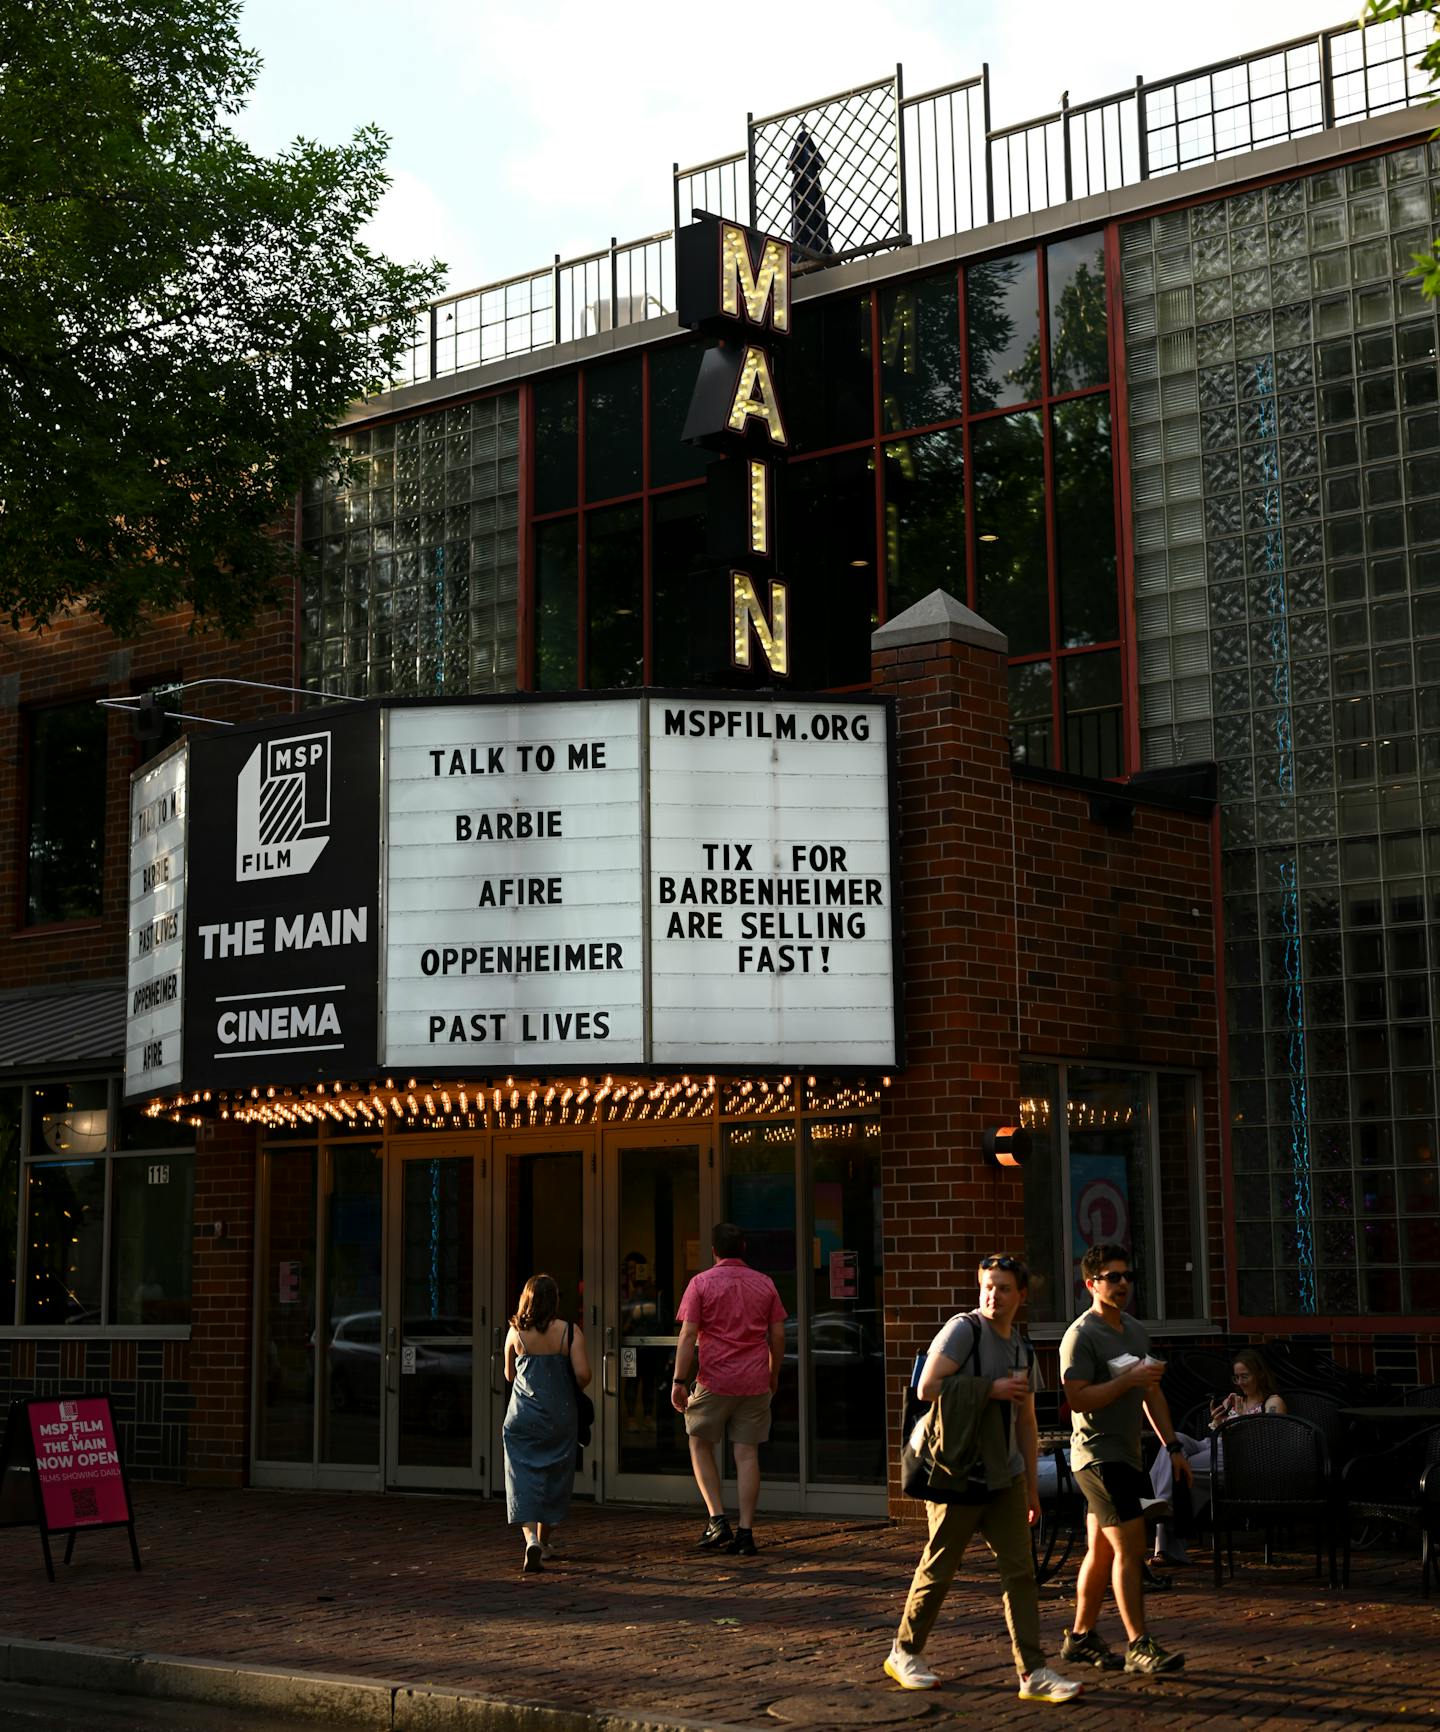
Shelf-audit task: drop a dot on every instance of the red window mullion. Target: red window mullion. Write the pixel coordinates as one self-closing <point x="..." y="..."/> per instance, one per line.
<point x="582" y="657"/>
<point x="1052" y="556"/>
<point x="647" y="612"/>
<point x="967" y="468"/>
<point x="1120" y="473"/>
<point x="878" y="455"/>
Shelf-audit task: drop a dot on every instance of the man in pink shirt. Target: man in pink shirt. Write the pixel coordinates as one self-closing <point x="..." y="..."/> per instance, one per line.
<point x="735" y="1316"/>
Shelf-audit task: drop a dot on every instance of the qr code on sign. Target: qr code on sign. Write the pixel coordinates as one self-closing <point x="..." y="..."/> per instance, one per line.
<point x="83" y="1498"/>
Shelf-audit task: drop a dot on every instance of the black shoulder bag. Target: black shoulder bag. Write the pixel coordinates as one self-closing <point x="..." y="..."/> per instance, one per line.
<point x="584" y="1406"/>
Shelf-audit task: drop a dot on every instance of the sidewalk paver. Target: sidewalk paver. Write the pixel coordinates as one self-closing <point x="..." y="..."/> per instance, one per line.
<point x="428" y="1591"/>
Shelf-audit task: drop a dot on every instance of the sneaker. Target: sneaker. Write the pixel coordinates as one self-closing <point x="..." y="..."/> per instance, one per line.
<point x="533" y="1560"/>
<point x="1145" y="1655"/>
<point x="1043" y="1685"/>
<point x="1155" y="1509"/>
<point x="743" y="1545"/>
<point x="908" y="1670"/>
<point x="547" y="1551"/>
<point x="717" y="1533"/>
<point x="1091" y="1649"/>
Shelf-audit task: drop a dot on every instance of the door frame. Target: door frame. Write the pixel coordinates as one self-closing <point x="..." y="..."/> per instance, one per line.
<point x="581" y="1140"/>
<point x="395" y="1476"/>
<point x="699" y="1135"/>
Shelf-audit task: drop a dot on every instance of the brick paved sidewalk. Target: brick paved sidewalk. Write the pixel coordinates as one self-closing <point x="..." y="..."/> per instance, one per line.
<point x="429" y="1590"/>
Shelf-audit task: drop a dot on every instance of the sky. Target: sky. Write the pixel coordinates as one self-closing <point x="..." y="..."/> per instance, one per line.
<point x="520" y="131"/>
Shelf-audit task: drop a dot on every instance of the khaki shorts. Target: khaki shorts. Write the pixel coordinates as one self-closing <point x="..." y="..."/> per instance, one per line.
<point x="1113" y="1491"/>
<point x="707" y="1415"/>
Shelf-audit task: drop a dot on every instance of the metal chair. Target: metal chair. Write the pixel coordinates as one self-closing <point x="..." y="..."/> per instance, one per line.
<point x="1401" y="1485"/>
<point x="1428" y="1395"/>
<point x="1271" y="1467"/>
<point x="1323" y="1411"/>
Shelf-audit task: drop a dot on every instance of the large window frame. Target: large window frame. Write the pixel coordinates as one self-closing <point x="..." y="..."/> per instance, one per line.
<point x="110" y="1157"/>
<point x="34" y="788"/>
<point x="888" y="333"/>
<point x="1049" y="1198"/>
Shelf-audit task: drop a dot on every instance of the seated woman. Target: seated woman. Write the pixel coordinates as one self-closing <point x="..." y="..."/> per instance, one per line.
<point x="1254" y="1392"/>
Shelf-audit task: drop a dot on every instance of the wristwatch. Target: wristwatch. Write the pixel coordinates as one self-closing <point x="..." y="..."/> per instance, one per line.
<point x="1175" y="1446"/>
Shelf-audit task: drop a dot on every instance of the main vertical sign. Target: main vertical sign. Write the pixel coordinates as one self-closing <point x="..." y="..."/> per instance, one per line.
<point x="514" y="917"/>
<point x="734" y="284"/>
<point x="282" y="953"/>
<point x="154" y="975"/>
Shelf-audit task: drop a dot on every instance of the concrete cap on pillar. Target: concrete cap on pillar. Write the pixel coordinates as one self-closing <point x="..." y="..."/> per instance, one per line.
<point x="938" y="618"/>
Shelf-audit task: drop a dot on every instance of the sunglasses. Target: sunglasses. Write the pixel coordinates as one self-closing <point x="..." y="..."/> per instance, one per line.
<point x="1009" y="1264"/>
<point x="1117" y="1275"/>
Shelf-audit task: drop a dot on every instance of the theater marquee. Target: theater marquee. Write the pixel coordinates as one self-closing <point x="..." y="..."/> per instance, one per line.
<point x="700" y="881"/>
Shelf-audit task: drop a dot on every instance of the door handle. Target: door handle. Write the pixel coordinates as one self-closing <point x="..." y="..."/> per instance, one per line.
<point x="495" y="1388"/>
<point x="607" y="1363"/>
<point x="392" y="1382"/>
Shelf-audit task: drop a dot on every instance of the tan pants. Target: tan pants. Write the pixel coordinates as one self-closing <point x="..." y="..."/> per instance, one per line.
<point x="1003" y="1522"/>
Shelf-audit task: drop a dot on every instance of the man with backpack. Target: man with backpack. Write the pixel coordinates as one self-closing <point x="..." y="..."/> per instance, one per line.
<point x="980" y="1376"/>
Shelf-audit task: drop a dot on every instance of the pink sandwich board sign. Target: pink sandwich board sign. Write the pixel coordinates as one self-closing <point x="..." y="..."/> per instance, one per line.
<point x="69" y="1450"/>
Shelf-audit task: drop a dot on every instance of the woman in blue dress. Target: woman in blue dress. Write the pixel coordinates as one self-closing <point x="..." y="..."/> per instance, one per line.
<point x="541" y="1351"/>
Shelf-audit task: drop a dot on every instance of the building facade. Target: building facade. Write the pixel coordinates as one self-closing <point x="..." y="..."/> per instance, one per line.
<point x="1111" y="461"/>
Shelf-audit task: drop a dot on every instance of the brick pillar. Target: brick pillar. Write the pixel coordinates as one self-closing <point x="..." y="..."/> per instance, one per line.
<point x="942" y="1206"/>
<point x="221" y="1345"/>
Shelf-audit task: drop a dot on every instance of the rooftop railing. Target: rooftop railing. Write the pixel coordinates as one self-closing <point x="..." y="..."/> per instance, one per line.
<point x="952" y="173"/>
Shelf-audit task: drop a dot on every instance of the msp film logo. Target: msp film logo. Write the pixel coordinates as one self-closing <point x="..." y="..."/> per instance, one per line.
<point x="282" y="807"/>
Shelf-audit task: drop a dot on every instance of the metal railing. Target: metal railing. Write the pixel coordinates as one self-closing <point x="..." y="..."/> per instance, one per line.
<point x="957" y="173"/>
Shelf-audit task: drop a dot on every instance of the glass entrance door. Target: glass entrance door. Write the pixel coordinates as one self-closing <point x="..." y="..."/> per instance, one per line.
<point x="436" y="1414"/>
<point x="544" y="1224"/>
<point x="658" y="1219"/>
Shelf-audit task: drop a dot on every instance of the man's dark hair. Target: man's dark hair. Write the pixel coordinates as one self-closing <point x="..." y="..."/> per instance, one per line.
<point x="727" y="1240"/>
<point x="1015" y="1266"/>
<point x="1098" y="1256"/>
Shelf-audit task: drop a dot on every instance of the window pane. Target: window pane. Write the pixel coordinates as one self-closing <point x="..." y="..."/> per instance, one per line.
<point x="557" y="442"/>
<point x="1085" y="522"/>
<point x="1179" y="1188"/>
<point x="557" y="581"/>
<point x="1002" y="323"/>
<point x="613" y="598"/>
<point x="830" y="513"/>
<point x="1032" y="688"/>
<point x="672" y="384"/>
<point x="65" y="1229"/>
<point x="924" y="519"/>
<point x="1093" y="716"/>
<point x="9" y="1197"/>
<point x="826" y="383"/>
<point x="1079" y="351"/>
<point x="151" y="1231"/>
<point x="1109" y="1184"/>
<point x="1044" y="1222"/>
<point x="350" y="1394"/>
<point x="688" y="614"/>
<point x="848" y="1412"/>
<point x="71" y="1118"/>
<point x="760" y="1199"/>
<point x="1012" y="588"/>
<point x="284" y="1429"/>
<point x="66" y="778"/>
<point x="612" y="429"/>
<point x="920" y="353"/>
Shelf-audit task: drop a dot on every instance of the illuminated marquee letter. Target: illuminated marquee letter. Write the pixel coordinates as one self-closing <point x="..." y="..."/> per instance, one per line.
<point x="759" y="506"/>
<point x="755" y="395"/>
<point x="747" y="612"/>
<point x="740" y="282"/>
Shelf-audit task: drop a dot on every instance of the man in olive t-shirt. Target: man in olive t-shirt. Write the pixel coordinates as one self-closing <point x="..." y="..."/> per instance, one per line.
<point x="1107" y="1401"/>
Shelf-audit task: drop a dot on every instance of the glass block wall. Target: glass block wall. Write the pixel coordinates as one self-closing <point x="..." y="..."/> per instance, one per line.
<point x="416" y="570"/>
<point x="1285" y="480"/>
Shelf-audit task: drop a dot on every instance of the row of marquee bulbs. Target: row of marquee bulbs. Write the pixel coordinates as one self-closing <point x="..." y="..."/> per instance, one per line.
<point x="441" y="1104"/>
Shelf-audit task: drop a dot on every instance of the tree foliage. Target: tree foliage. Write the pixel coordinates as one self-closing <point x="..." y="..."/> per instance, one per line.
<point x="1427" y="264"/>
<point x="182" y="321"/>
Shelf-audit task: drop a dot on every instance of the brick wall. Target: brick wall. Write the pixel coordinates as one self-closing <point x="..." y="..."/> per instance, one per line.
<point x="220" y="1346"/>
<point x="1032" y="929"/>
<point x="77" y="660"/>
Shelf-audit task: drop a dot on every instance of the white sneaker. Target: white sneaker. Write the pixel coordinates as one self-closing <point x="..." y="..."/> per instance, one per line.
<point x="1043" y="1685"/>
<point x="1155" y="1509"/>
<point x="909" y="1671"/>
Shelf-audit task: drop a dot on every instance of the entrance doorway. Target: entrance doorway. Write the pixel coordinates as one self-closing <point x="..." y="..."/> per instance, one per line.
<point x="388" y="1264"/>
